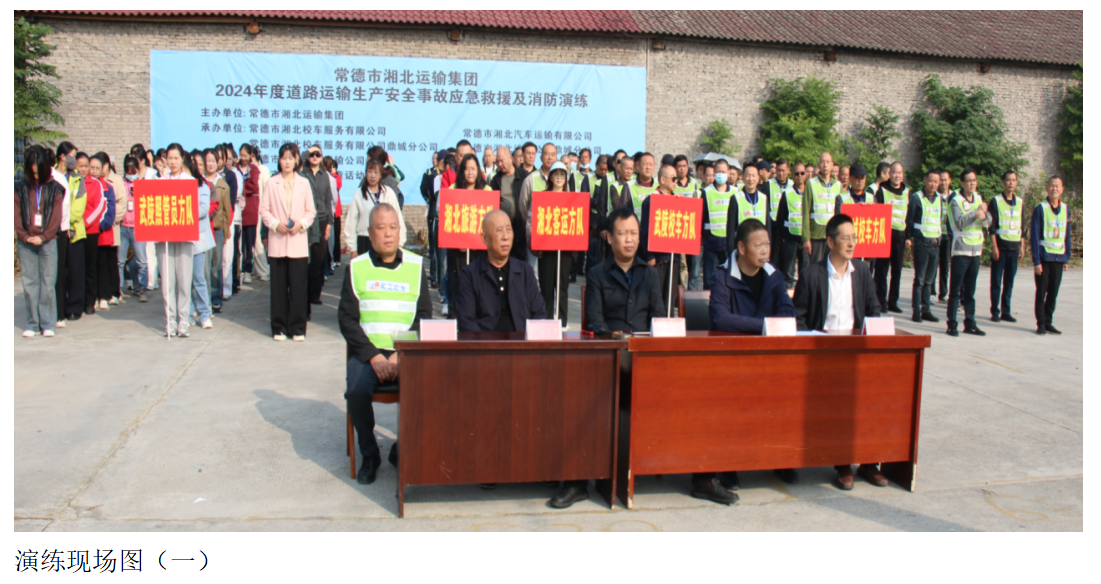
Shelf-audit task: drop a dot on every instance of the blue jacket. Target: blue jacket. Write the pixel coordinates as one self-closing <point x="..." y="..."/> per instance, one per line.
<point x="478" y="306"/>
<point x="108" y="220"/>
<point x="732" y="307"/>
<point x="1036" y="233"/>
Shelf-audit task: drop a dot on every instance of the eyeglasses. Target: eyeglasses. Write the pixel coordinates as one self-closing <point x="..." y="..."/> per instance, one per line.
<point x="315" y="154"/>
<point x="846" y="239"/>
<point x="799" y="173"/>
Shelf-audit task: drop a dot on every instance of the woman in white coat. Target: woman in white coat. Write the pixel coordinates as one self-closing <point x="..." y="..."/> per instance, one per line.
<point x="358" y="221"/>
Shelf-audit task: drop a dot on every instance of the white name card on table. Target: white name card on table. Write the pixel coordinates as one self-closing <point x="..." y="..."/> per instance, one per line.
<point x="778" y="326"/>
<point x="879" y="325"/>
<point x="668" y="327"/>
<point x="544" y="330"/>
<point x="439" y="330"/>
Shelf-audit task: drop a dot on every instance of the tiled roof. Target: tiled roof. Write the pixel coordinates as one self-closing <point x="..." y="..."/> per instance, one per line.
<point x="1013" y="35"/>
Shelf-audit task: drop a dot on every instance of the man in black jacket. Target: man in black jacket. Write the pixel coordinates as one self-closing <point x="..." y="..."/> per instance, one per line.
<point x="428" y="191"/>
<point x="623" y="293"/>
<point x="837" y="294"/>
<point x="496" y="293"/>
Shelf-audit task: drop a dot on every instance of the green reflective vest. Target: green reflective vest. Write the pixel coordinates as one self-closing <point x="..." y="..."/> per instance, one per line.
<point x="1055" y="229"/>
<point x="717" y="205"/>
<point x="972" y="234"/>
<point x="822" y="198"/>
<point x="747" y="210"/>
<point x="688" y="190"/>
<point x="578" y="184"/>
<point x="1009" y="219"/>
<point x="639" y="194"/>
<point x="930" y="217"/>
<point x="775" y="191"/>
<point x="538" y="183"/>
<point x="899" y="204"/>
<point x="794" y="222"/>
<point x="387" y="298"/>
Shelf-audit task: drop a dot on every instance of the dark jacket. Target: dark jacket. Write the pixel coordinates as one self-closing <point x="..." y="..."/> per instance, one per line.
<point x="812" y="295"/>
<point x="231" y="180"/>
<point x="733" y="219"/>
<point x="347" y="314"/>
<point x="611" y="304"/>
<point x="914" y="213"/>
<point x="732" y="307"/>
<point x="478" y="305"/>
<point x="251" y="213"/>
<point x="1036" y="234"/>
<point x="53" y="196"/>
<point x="322" y="199"/>
<point x="428" y="181"/>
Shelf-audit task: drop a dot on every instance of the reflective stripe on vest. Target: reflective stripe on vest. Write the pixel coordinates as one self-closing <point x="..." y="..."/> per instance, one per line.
<point x="972" y="234"/>
<point x="774" y="193"/>
<point x="639" y="194"/>
<point x="898" y="205"/>
<point x="717" y="206"/>
<point x="823" y="198"/>
<point x="1055" y="225"/>
<point x="1009" y="219"/>
<point x="930" y="217"/>
<point x="747" y="210"/>
<point x="794" y="222"/>
<point x="538" y="184"/>
<point x="387" y="298"/>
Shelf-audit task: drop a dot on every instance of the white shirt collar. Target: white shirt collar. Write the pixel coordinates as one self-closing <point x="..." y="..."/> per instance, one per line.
<point x="831" y="271"/>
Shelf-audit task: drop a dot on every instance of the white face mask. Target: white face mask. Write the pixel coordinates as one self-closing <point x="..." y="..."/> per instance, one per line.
<point x="720" y="178"/>
<point x="131" y="177"/>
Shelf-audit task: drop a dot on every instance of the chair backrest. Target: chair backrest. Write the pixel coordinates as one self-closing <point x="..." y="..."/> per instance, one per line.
<point x="584" y="315"/>
<point x="694" y="304"/>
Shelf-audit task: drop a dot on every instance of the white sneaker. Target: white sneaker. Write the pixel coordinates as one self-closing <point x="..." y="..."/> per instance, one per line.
<point x="207" y="324"/>
<point x="280" y="337"/>
<point x="47" y="333"/>
<point x="114" y="301"/>
<point x="264" y="278"/>
<point x="103" y="305"/>
<point x="246" y="278"/>
<point x="28" y="333"/>
<point x="299" y="338"/>
<point x="60" y="324"/>
<point x="565" y="329"/>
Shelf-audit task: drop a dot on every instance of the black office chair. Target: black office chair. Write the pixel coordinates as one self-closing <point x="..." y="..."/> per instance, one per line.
<point x="696" y="317"/>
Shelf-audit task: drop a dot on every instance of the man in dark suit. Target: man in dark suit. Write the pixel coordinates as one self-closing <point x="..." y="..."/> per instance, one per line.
<point x="623" y="292"/>
<point x="837" y="294"/>
<point x="496" y="293"/>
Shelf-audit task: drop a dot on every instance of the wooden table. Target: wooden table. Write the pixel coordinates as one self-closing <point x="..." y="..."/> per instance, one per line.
<point x="494" y="408"/>
<point x="715" y="402"/>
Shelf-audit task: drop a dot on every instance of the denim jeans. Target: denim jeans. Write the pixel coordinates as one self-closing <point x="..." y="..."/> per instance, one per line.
<point x="200" y="294"/>
<point x="126" y="242"/>
<point x="695" y="271"/>
<point x="214" y="267"/>
<point x="925" y="274"/>
<point x="961" y="289"/>
<point x="38" y="271"/>
<point x="433" y="255"/>
<point x="1001" y="294"/>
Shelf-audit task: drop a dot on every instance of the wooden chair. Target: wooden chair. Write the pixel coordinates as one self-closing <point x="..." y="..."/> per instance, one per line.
<point x="387" y="393"/>
<point x="694" y="308"/>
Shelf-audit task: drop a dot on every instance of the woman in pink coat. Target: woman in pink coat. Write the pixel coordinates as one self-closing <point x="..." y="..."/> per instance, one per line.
<point x="287" y="209"/>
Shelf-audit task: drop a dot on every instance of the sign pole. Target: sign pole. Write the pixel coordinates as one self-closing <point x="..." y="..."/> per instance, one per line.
<point x="171" y="293"/>
<point x="670" y="315"/>
<point x="557" y="283"/>
<point x="468" y="257"/>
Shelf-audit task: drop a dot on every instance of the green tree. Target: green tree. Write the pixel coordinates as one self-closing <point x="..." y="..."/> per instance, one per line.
<point x="964" y="128"/>
<point x="1070" y="135"/>
<point x="875" y="142"/>
<point x="35" y="97"/>
<point x="800" y="120"/>
<point x="718" y="137"/>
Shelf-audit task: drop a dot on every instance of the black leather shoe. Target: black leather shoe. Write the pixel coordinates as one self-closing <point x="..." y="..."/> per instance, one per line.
<point x="730" y="481"/>
<point x="393" y="457"/>
<point x="995" y="318"/>
<point x="568" y="495"/>
<point x="916" y="318"/>
<point x="895" y="309"/>
<point x="787" y="475"/>
<point x="368" y="470"/>
<point x="974" y="330"/>
<point x="487" y="486"/>
<point x="928" y="317"/>
<point x="1051" y="329"/>
<point x="1041" y="330"/>
<point x="1008" y="318"/>
<point x="713" y="490"/>
<point x="952" y="332"/>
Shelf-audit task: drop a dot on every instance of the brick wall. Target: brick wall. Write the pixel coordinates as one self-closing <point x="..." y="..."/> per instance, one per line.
<point x="105" y="77"/>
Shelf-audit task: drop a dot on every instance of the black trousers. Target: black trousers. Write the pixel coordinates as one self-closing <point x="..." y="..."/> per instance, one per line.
<point x="1001" y="293"/>
<point x="336" y="240"/>
<point x="965" y="273"/>
<point x="818" y="251"/>
<point x="248" y="242"/>
<point x="944" y="261"/>
<point x="889" y="297"/>
<point x="91" y="261"/>
<point x="1047" y="290"/>
<point x="925" y="271"/>
<point x="456" y="261"/>
<point x="361" y="383"/>
<point x="792" y="259"/>
<point x="75" y="281"/>
<point x="663" y="277"/>
<point x="317" y="269"/>
<point x="62" y="270"/>
<point x="548" y="265"/>
<point x="107" y="263"/>
<point x="288" y="296"/>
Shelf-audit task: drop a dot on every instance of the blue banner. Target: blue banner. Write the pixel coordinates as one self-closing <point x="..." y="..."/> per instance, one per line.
<point x="410" y="106"/>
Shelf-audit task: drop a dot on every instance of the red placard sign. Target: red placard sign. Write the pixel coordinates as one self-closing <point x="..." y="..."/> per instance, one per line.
<point x="461" y="214"/>
<point x="872" y="224"/>
<point x="675" y="224"/>
<point x="166" y="210"/>
<point x="559" y="221"/>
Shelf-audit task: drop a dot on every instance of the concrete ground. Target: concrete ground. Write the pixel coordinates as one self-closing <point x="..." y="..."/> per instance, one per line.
<point x="119" y="429"/>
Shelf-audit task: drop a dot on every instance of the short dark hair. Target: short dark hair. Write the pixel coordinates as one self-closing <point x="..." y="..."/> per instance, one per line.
<point x="617" y="215"/>
<point x="747" y="228"/>
<point x="617" y="153"/>
<point x="1006" y="174"/>
<point x="968" y="171"/>
<point x="584" y="150"/>
<point x="1058" y="178"/>
<point x="879" y="168"/>
<point x="721" y="161"/>
<point x="782" y="161"/>
<point x="463" y="142"/>
<point x="835" y="224"/>
<point x="80" y="155"/>
<point x="935" y="171"/>
<point x="678" y="158"/>
<point x="528" y="143"/>
<point x="602" y="159"/>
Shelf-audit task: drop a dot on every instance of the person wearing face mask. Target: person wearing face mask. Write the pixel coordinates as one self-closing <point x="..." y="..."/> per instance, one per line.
<point x="582" y="179"/>
<point x="126" y="232"/>
<point x="717" y="200"/>
<point x="896" y="194"/>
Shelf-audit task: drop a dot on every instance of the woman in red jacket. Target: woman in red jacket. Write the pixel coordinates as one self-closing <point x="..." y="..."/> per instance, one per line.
<point x="94" y="212"/>
<point x="107" y="251"/>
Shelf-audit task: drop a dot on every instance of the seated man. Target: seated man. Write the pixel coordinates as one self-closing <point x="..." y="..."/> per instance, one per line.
<point x="495" y="293"/>
<point x="623" y="292"/>
<point x="367" y="330"/>
<point x="836" y="294"/>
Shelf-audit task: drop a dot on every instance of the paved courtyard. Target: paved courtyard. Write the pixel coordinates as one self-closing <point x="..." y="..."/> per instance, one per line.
<point x="119" y="429"/>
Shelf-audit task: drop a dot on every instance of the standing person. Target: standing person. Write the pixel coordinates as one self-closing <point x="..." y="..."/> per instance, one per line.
<point x="882" y="175"/>
<point x="337" y="237"/>
<point x="63" y="231"/>
<point x="923" y="222"/>
<point x="221" y="224"/>
<point x="856" y="194"/>
<point x="122" y="203"/>
<point x="231" y="249"/>
<point x="38" y="216"/>
<point x="462" y="150"/>
<point x="503" y="182"/>
<point x="1050" y="243"/>
<point x="666" y="179"/>
<point x="789" y="224"/>
<point x="106" y="250"/>
<point x="132" y="168"/>
<point x="319" y="230"/>
<point x="535" y="181"/>
<point x="945" y="257"/>
<point x="897" y="195"/>
<point x="94" y="211"/>
<point x="548" y="260"/>
<point x="529" y="151"/>
<point x="775" y="189"/>
<point x="598" y="205"/>
<point x="1005" y="229"/>
<point x="250" y="214"/>
<point x="747" y="203"/>
<point x="489" y="163"/>
<point x="259" y="256"/>
<point x="175" y="258"/>
<point x="200" y="292"/>
<point x="288" y="210"/>
<point x="967" y="219"/>
<point x="645" y="182"/>
<point x="843" y="178"/>
<point x="71" y="294"/>
<point x="717" y="200"/>
<point x="818" y="201"/>
<point x="469" y="177"/>
<point x="371" y="191"/>
<point x="430" y="193"/>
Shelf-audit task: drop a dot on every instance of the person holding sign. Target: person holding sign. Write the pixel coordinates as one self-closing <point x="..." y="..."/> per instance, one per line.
<point x="623" y="292"/>
<point x="967" y="219"/>
<point x="176" y="257"/>
<point x="667" y="177"/>
<point x="468" y="177"/>
<point x="855" y="194"/>
<point x="923" y="222"/>
<point x="549" y="270"/>
<point x="385" y="291"/>
<point x="895" y="194"/>
<point x="748" y="289"/>
<point x="498" y="292"/>
<point x="1050" y="242"/>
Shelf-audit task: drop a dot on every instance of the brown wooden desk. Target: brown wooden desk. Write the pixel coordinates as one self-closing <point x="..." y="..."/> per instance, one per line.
<point x="493" y="408"/>
<point x="715" y="402"/>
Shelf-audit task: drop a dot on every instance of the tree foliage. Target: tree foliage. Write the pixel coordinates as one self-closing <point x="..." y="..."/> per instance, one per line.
<point x="718" y="137"/>
<point x="800" y="120"/>
<point x="875" y="142"/>
<point x="35" y="96"/>
<point x="964" y="128"/>
<point x="1072" y="131"/>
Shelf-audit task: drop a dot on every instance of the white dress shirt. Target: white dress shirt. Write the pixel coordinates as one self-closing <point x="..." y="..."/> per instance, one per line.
<point x="839" y="312"/>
